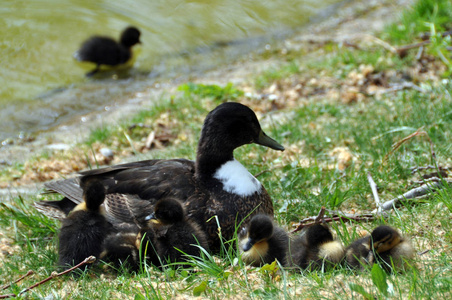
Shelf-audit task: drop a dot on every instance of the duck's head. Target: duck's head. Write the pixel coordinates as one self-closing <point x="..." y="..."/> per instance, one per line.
<point x="231" y="125"/>
<point x="260" y="229"/>
<point x="93" y="194"/>
<point x="129" y="37"/>
<point x="384" y="238"/>
<point x="167" y="211"/>
<point x="318" y="234"/>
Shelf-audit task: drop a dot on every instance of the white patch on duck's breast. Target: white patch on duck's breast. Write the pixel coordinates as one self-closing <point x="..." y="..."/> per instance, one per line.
<point x="236" y="179"/>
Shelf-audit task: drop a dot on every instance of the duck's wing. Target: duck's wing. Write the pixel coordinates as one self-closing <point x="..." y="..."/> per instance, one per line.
<point x="127" y="209"/>
<point x="73" y="195"/>
<point x="131" y="188"/>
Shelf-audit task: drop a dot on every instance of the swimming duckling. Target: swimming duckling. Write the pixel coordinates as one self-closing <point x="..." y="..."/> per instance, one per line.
<point x="214" y="187"/>
<point x="385" y="245"/>
<point x="84" y="229"/>
<point x="316" y="248"/>
<point x="106" y="51"/>
<point x="171" y="235"/>
<point x="261" y="242"/>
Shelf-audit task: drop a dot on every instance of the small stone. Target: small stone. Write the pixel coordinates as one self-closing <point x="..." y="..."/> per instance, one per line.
<point x="107" y="152"/>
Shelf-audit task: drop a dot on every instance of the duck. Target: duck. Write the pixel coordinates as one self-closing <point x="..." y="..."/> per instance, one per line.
<point x="385" y="245"/>
<point x="105" y="51"/>
<point x="85" y="227"/>
<point x="171" y="235"/>
<point x="316" y="248"/>
<point x="216" y="190"/>
<point x="261" y="242"/>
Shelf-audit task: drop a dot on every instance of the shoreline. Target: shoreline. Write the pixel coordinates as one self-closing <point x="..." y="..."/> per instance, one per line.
<point x="354" y="20"/>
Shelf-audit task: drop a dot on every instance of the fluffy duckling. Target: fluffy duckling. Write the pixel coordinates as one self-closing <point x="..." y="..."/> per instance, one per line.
<point x="171" y="235"/>
<point x="84" y="229"/>
<point x="122" y="248"/>
<point x="385" y="245"/>
<point x="215" y="187"/>
<point x="102" y="50"/>
<point x="261" y="242"/>
<point x="316" y="248"/>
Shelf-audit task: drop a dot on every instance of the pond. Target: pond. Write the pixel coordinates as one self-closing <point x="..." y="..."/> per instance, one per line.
<point x="42" y="86"/>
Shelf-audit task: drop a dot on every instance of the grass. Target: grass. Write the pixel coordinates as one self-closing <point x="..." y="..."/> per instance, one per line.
<point x="317" y="131"/>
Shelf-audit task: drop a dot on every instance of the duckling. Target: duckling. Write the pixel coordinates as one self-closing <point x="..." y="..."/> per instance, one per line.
<point x="84" y="229"/>
<point x="316" y="248"/>
<point x="385" y="245"/>
<point x="106" y="51"/>
<point x="122" y="248"/>
<point x="215" y="187"/>
<point x="261" y="242"/>
<point x="171" y="235"/>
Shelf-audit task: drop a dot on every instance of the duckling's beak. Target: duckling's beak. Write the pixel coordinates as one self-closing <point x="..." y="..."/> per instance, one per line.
<point x="248" y="245"/>
<point x="267" y="141"/>
<point x="152" y="218"/>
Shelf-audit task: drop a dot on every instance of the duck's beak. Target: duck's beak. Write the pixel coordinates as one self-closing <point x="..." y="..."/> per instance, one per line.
<point x="267" y="141"/>
<point x="248" y="245"/>
<point x="152" y="218"/>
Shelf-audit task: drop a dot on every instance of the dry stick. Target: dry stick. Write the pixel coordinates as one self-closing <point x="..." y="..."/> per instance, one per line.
<point x="304" y="223"/>
<point x="423" y="252"/>
<point x="419" y="131"/>
<point x="321" y="216"/>
<point x="261" y="172"/>
<point x="382" y="43"/>
<point x="414" y="193"/>
<point x="8" y="285"/>
<point x="432" y="179"/>
<point x="88" y="260"/>
<point x="427" y="35"/>
<point x="428" y="167"/>
<point x="373" y="187"/>
<point x="403" y="49"/>
<point x="420" y="53"/>
<point x="399" y="87"/>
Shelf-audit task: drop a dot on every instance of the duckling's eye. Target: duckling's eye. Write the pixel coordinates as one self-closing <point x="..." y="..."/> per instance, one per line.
<point x="242" y="231"/>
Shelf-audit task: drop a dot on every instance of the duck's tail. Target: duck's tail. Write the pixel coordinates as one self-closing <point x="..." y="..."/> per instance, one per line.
<point x="73" y="195"/>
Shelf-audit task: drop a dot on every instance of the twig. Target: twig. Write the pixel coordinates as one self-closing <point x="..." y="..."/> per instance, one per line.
<point x="401" y="51"/>
<point x="432" y="179"/>
<point x="141" y="125"/>
<point x="88" y="260"/>
<point x="420" y="53"/>
<point x="428" y="35"/>
<point x="414" y="193"/>
<point x="382" y="43"/>
<point x="321" y="216"/>
<point x="428" y="167"/>
<point x="373" y="187"/>
<point x="262" y="172"/>
<point x="399" y="87"/>
<point x="29" y="273"/>
<point x="150" y="139"/>
<point x="346" y="217"/>
<point x="397" y="145"/>
<point x="423" y="252"/>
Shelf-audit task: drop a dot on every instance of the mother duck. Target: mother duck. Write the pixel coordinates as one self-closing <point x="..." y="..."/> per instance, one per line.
<point x="215" y="189"/>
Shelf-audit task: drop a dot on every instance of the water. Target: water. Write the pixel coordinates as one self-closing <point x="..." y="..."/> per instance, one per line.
<point x="41" y="86"/>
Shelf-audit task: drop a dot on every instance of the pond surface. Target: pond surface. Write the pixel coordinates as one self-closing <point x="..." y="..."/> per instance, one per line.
<point x="41" y="86"/>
